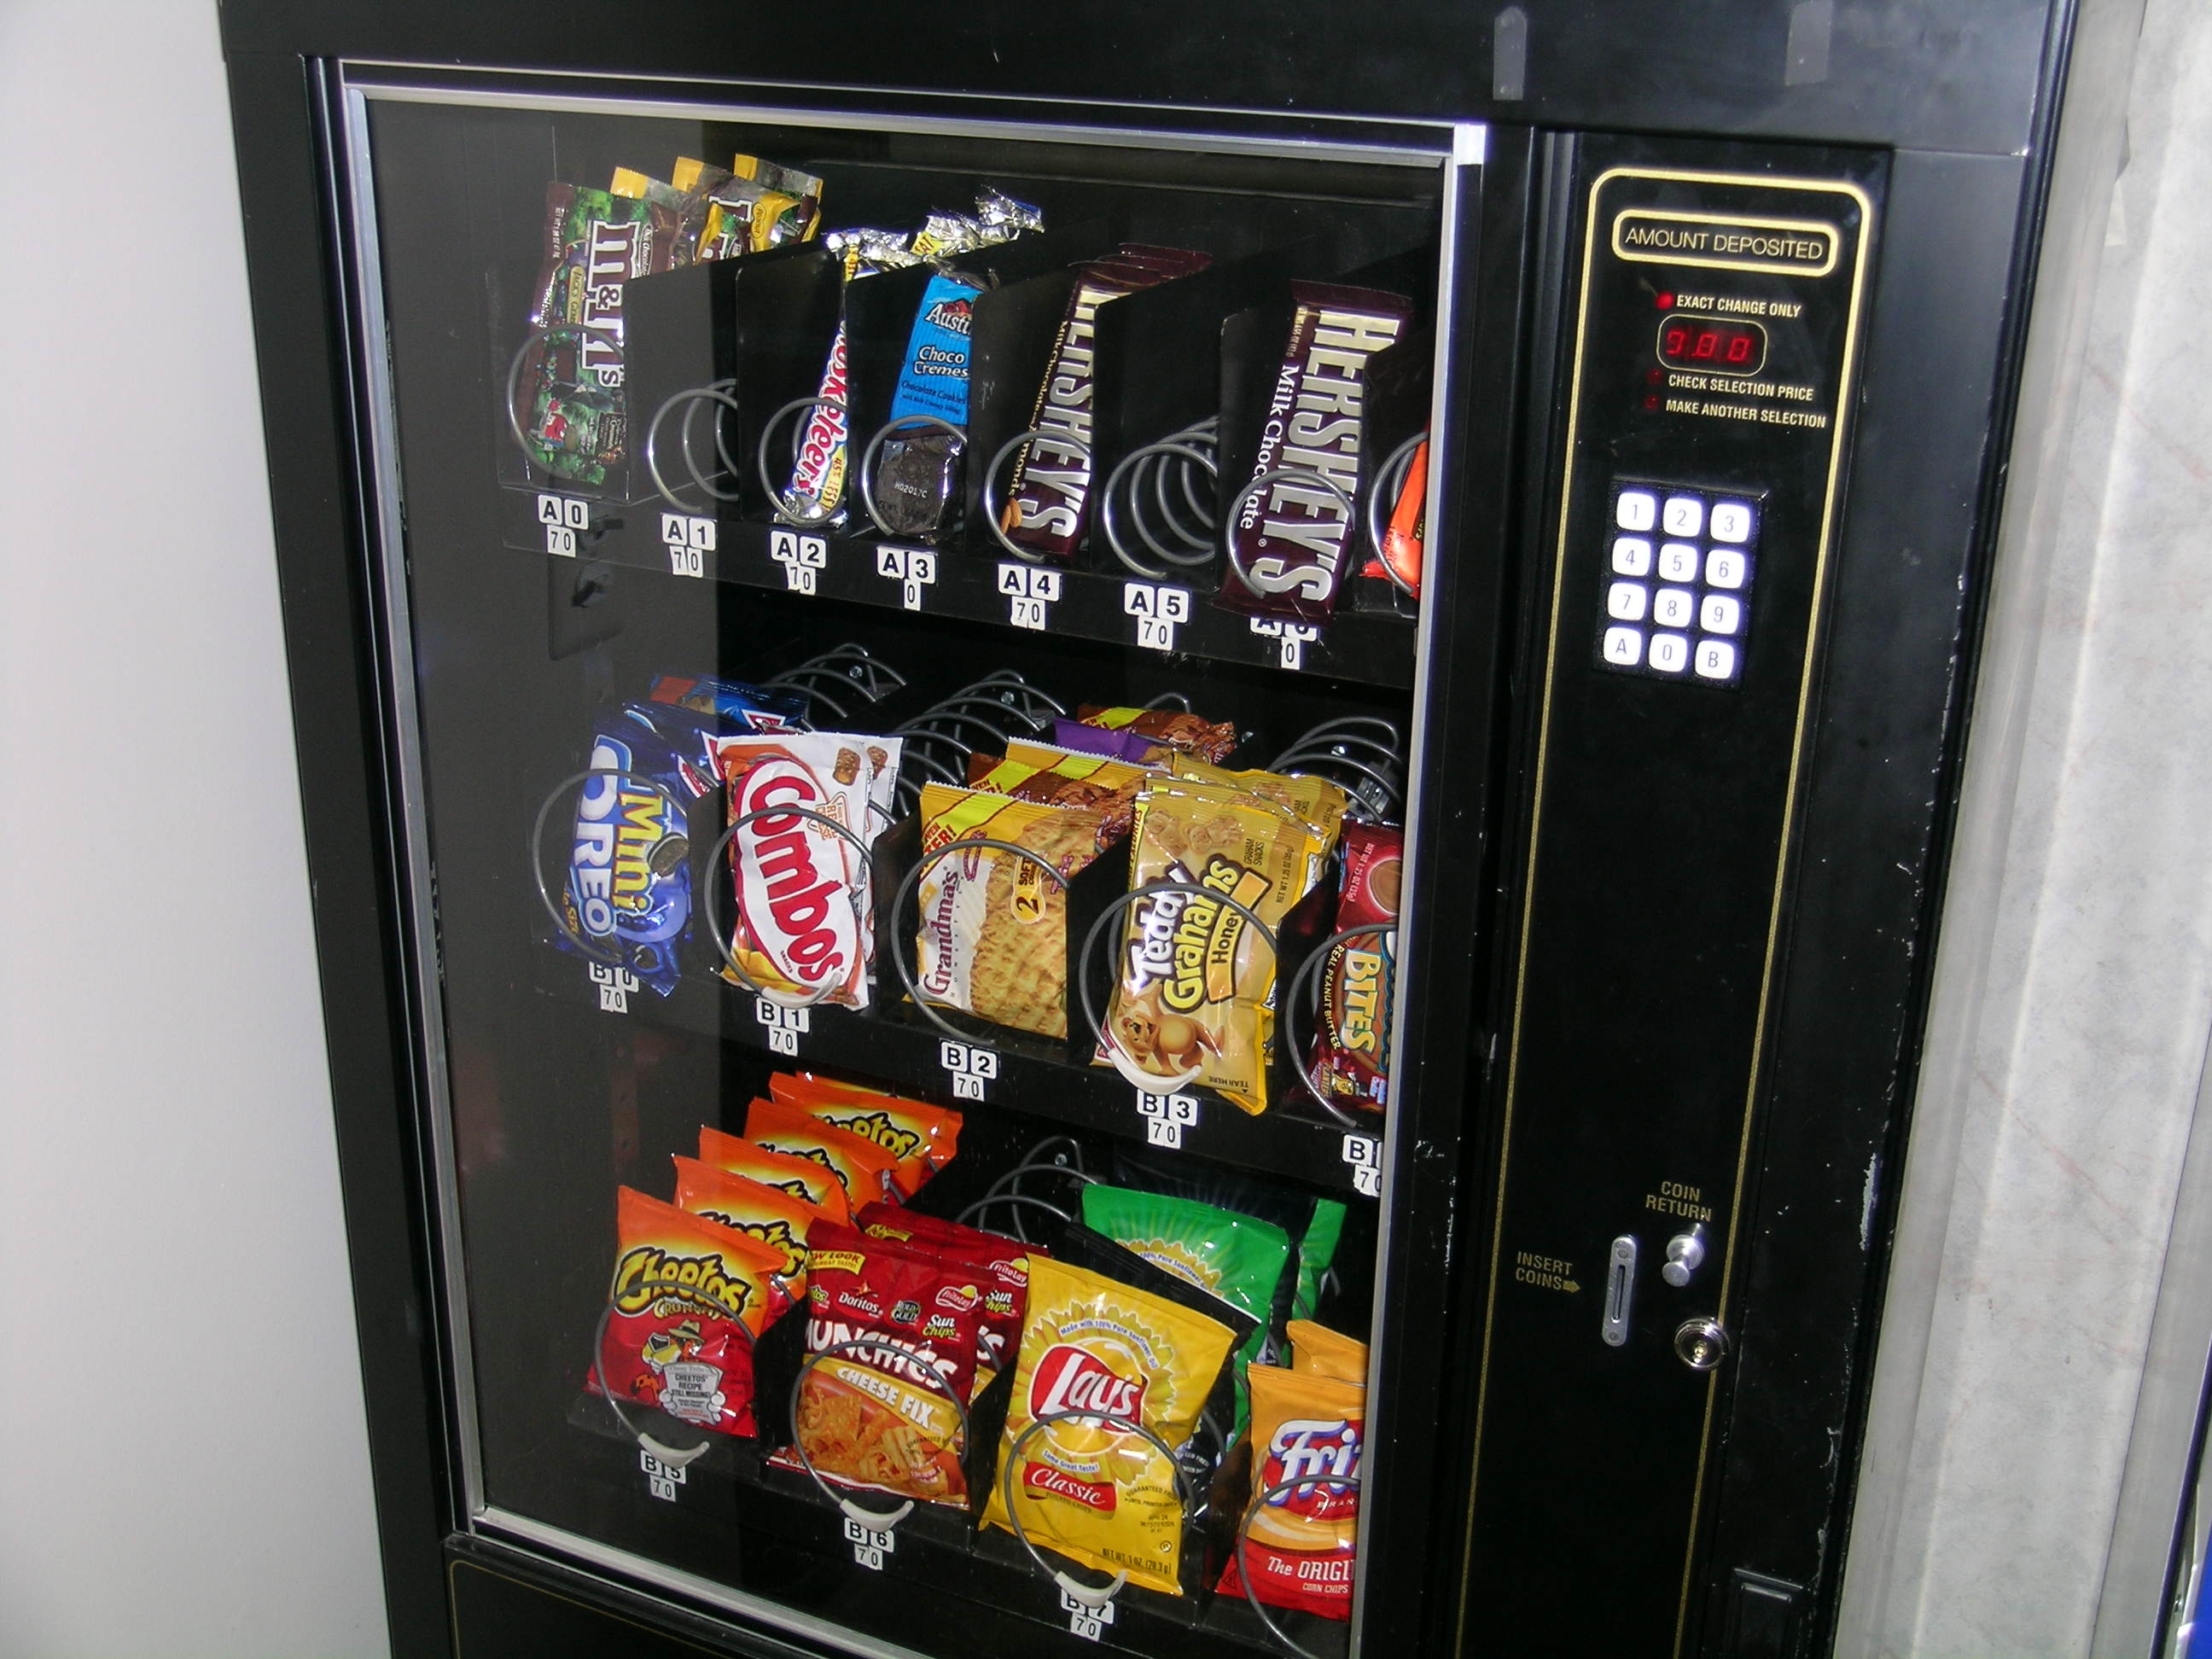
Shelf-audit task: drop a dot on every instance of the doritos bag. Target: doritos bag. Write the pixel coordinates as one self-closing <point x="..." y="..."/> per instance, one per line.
<point x="1100" y="1495"/>
<point x="801" y="1177"/>
<point x="1299" y="1549"/>
<point x="879" y="1416"/>
<point x="776" y="1217"/>
<point x="863" y="1170"/>
<point x="683" y="1287"/>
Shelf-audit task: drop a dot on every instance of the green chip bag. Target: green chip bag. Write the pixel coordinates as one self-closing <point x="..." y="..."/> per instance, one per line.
<point x="1316" y="1249"/>
<point x="1237" y="1258"/>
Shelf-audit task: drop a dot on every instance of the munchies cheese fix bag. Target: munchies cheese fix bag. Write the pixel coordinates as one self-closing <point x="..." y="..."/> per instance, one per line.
<point x="1098" y="1494"/>
<point x="683" y="1287"/>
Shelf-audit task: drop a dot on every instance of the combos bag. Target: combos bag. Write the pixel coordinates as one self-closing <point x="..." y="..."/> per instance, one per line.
<point x="865" y="1171"/>
<point x="922" y="1136"/>
<point x="994" y="927"/>
<point x="800" y="1178"/>
<point x="1194" y="985"/>
<point x="683" y="1287"/>
<point x="805" y="923"/>
<point x="1093" y="1492"/>
<point x="1237" y="1258"/>
<point x="1299" y="1550"/>
<point x="881" y="1416"/>
<point x="1351" y="1057"/>
<point x="774" y="1216"/>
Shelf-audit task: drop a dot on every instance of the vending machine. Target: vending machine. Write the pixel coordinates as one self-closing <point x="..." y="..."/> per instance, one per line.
<point x="1126" y="826"/>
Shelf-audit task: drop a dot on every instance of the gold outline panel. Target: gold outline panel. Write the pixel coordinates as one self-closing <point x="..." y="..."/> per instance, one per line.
<point x="1845" y="382"/>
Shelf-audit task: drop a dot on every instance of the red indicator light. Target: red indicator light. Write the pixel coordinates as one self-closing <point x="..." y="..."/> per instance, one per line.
<point x="1666" y="300"/>
<point x="1655" y="377"/>
<point x="1651" y="403"/>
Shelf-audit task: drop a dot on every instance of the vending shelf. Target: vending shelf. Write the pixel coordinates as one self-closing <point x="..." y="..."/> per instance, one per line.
<point x="1114" y="608"/>
<point x="996" y="1067"/>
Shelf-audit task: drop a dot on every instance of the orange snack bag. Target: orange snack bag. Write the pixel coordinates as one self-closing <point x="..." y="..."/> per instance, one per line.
<point x="1299" y="1549"/>
<point x="799" y="1176"/>
<point x="683" y="1287"/>
<point x="922" y="1137"/>
<point x="1317" y="1351"/>
<point x="863" y="1170"/>
<point x="776" y="1217"/>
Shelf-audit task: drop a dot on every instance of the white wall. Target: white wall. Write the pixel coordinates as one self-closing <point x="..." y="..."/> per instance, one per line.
<point x="183" y="1465"/>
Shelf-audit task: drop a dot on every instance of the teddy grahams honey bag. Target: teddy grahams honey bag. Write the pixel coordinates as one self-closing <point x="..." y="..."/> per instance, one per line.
<point x="1194" y="985"/>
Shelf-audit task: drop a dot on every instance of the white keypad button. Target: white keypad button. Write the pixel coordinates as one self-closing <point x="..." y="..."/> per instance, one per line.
<point x="1637" y="509"/>
<point x="1669" y="652"/>
<point x="1723" y="569"/>
<point x="1631" y="556"/>
<point x="1683" y="515"/>
<point x="1720" y="614"/>
<point x="1677" y="562"/>
<point x="1672" y="607"/>
<point x="1623" y="646"/>
<point x="1625" y="601"/>
<point x="1731" y="522"/>
<point x="1716" y="658"/>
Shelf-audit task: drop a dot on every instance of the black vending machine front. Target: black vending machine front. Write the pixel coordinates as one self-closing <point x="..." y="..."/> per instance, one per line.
<point x="1106" y="842"/>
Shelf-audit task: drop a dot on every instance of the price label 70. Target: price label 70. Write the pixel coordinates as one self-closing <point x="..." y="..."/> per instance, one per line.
<point x="1364" y="1154"/>
<point x="1030" y="593"/>
<point x="688" y="539"/>
<point x="564" y="516"/>
<point x="1159" y="610"/>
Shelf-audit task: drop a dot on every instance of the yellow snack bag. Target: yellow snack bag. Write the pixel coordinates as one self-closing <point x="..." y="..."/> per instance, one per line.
<point x="994" y="935"/>
<point x="1317" y="1351"/>
<point x="1103" y="1495"/>
<point x="1195" y="987"/>
<point x="1299" y="1550"/>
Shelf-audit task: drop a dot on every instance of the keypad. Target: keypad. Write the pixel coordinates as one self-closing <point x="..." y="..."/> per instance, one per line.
<point x="1677" y="593"/>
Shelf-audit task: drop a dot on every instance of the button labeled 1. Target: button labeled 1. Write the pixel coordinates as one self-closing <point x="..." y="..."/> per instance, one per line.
<point x="1637" y="509"/>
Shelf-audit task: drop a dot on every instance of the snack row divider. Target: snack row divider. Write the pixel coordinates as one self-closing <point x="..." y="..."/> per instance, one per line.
<point x="1170" y="619"/>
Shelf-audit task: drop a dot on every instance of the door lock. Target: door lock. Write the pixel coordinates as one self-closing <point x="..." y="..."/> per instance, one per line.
<point x="1701" y="1343"/>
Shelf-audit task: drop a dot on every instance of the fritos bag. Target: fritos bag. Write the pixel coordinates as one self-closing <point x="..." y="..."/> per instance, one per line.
<point x="804" y="911"/>
<point x="994" y="931"/>
<point x="863" y="1170"/>
<point x="683" y="1286"/>
<point x="1101" y="1495"/>
<point x="922" y="1137"/>
<point x="766" y="1214"/>
<point x="801" y="1177"/>
<point x="1320" y="1352"/>
<point x="1299" y="1550"/>
<point x="878" y="1416"/>
<point x="1006" y="1285"/>
<point x="1194" y="992"/>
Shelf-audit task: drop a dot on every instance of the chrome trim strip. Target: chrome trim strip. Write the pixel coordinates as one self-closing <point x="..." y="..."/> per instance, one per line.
<point x="382" y="438"/>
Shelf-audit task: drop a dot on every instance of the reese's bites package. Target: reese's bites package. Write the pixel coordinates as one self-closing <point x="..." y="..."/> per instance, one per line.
<point x="595" y="243"/>
<point x="882" y="1416"/>
<point x="1194" y="993"/>
<point x="683" y="1287"/>
<point x="627" y="898"/>
<point x="801" y="1177"/>
<point x="993" y="928"/>
<point x="863" y="1170"/>
<point x="1237" y="1258"/>
<point x="1351" y="1057"/>
<point x="1091" y="1492"/>
<point x="1325" y="1353"/>
<point x="1006" y="1264"/>
<point x="1291" y="536"/>
<point x="805" y="902"/>
<point x="776" y="1217"/>
<point x="923" y="1138"/>
<point x="1177" y="728"/>
<point x="1299" y="1549"/>
<point x="1064" y="777"/>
